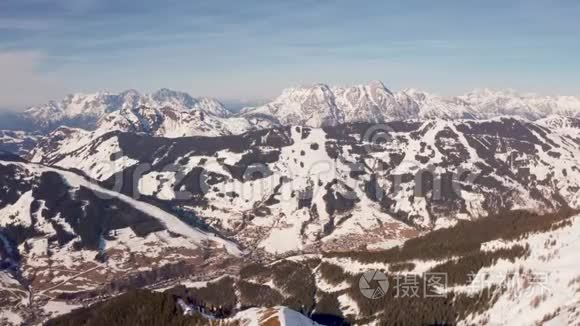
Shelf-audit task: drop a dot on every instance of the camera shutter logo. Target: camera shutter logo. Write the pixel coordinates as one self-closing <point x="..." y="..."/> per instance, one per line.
<point x="378" y="289"/>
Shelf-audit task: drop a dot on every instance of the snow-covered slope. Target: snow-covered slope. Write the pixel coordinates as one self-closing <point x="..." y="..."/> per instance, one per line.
<point x="309" y="106"/>
<point x="434" y="106"/>
<point x="561" y="123"/>
<point x="271" y="316"/>
<point x="61" y="234"/>
<point x="258" y="316"/>
<point x="162" y="122"/>
<point x="488" y="103"/>
<point x="170" y="122"/>
<point x="321" y="105"/>
<point x="542" y="287"/>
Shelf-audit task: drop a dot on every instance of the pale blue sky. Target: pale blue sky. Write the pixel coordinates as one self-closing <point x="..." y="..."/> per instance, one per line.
<point x="252" y="49"/>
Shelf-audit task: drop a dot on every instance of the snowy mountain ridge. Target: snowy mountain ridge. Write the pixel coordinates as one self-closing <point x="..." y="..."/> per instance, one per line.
<point x="167" y="121"/>
<point x="313" y="106"/>
<point x="84" y="110"/>
<point x="321" y="105"/>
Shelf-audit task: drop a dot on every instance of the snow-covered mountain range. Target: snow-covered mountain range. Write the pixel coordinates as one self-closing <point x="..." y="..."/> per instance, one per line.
<point x="122" y="190"/>
<point x="168" y="113"/>
<point x="321" y="105"/>
<point x="312" y="106"/>
<point x="85" y="110"/>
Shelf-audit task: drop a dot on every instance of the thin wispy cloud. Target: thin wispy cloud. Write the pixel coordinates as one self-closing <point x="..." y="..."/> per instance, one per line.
<point x="24" y="24"/>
